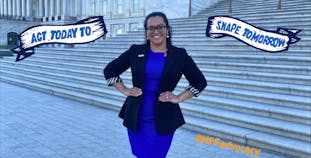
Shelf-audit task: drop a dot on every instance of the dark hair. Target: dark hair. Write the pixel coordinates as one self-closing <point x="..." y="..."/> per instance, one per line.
<point x="163" y="16"/>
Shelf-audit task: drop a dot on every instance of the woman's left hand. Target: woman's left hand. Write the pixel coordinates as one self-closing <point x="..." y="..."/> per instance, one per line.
<point x="168" y="96"/>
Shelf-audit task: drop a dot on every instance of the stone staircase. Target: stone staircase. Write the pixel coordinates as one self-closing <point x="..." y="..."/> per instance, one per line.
<point x="255" y="98"/>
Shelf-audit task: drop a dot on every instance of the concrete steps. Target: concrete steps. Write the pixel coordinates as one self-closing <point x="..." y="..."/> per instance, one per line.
<point x="222" y="130"/>
<point x="262" y="67"/>
<point x="237" y="74"/>
<point x="235" y="93"/>
<point x="256" y="98"/>
<point x="301" y="48"/>
<point x="251" y="85"/>
<point x="261" y="122"/>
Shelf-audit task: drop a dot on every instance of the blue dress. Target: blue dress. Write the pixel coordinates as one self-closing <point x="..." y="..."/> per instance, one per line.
<point x="146" y="142"/>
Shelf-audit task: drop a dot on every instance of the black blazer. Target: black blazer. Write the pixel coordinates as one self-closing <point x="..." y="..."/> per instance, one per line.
<point x="168" y="116"/>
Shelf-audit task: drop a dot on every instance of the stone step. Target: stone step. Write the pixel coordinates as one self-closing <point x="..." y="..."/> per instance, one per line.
<point x="258" y="123"/>
<point x="206" y="53"/>
<point x="252" y="85"/>
<point x="259" y="58"/>
<point x="303" y="69"/>
<point x="207" y="44"/>
<point x="234" y="83"/>
<point x="206" y="126"/>
<point x="199" y="32"/>
<point x="253" y="18"/>
<point x="290" y="114"/>
<point x="292" y="52"/>
<point x="271" y="58"/>
<point x="235" y="93"/>
<point x="258" y="13"/>
<point x="259" y="76"/>
<point x="259" y="4"/>
<point x="285" y="128"/>
<point x="138" y="36"/>
<point x="272" y="26"/>
<point x="259" y="67"/>
<point x="215" y="44"/>
<point x="267" y="66"/>
<point x="254" y="21"/>
<point x="259" y="97"/>
<point x="255" y="14"/>
<point x="225" y="41"/>
<point x="114" y="104"/>
<point x="201" y="29"/>
<point x="189" y="35"/>
<point x="208" y="49"/>
<point x="117" y="50"/>
<point x="249" y="137"/>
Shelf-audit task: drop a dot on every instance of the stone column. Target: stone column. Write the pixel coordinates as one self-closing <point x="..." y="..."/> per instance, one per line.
<point x="64" y="13"/>
<point x="46" y="10"/>
<point x="1" y="8"/>
<point x="23" y="8"/>
<point x="29" y="15"/>
<point x="78" y="9"/>
<point x="9" y="9"/>
<point x="13" y="9"/>
<point x="18" y="9"/>
<point x="87" y="8"/>
<point x="40" y="4"/>
<point x="57" y="17"/>
<point x="52" y="8"/>
<point x="4" y="3"/>
<point x="109" y="10"/>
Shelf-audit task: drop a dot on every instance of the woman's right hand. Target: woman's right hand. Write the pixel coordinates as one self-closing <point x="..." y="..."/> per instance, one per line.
<point x="135" y="91"/>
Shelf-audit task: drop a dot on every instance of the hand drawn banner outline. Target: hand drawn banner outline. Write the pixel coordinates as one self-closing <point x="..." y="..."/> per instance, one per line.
<point x="289" y="35"/>
<point x="26" y="48"/>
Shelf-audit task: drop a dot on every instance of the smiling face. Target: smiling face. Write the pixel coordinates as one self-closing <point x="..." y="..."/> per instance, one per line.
<point x="156" y="31"/>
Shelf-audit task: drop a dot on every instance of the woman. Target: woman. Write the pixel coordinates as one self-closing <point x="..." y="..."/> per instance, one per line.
<point x="151" y="111"/>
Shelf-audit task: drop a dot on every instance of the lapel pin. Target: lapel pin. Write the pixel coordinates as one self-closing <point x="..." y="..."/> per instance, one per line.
<point x="141" y="55"/>
<point x="165" y="54"/>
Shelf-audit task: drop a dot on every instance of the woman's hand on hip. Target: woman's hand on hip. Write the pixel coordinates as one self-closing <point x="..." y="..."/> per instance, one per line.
<point x="168" y="96"/>
<point x="135" y="92"/>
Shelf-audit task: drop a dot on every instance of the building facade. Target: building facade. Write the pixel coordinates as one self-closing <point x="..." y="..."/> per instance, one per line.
<point x="120" y="15"/>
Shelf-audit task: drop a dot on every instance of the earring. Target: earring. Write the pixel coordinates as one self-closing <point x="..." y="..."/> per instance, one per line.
<point x="167" y="36"/>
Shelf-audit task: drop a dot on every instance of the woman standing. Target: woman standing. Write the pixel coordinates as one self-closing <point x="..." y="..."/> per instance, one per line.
<point x="151" y="111"/>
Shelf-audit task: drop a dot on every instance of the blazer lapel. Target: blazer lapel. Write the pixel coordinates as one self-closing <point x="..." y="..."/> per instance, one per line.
<point x="165" y="73"/>
<point x="142" y="56"/>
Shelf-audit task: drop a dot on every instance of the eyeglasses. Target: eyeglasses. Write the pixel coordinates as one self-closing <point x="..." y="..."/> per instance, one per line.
<point x="159" y="28"/>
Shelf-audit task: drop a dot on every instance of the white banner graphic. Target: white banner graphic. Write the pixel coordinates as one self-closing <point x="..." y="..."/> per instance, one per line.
<point x="220" y="26"/>
<point x="83" y="31"/>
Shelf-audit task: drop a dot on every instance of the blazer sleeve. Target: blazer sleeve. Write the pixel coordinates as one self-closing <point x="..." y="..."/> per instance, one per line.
<point x="116" y="67"/>
<point x="195" y="77"/>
